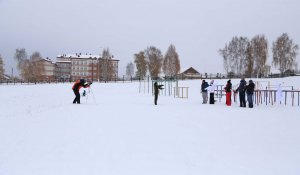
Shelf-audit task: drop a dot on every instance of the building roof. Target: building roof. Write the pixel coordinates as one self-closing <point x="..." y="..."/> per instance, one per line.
<point x="86" y="56"/>
<point x="63" y="61"/>
<point x="82" y="56"/>
<point x="48" y="60"/>
<point x="191" y="70"/>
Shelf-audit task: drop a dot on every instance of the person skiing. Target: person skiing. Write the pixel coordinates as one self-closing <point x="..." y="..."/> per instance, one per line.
<point x="228" y="88"/>
<point x="76" y="87"/>
<point x="204" y="85"/>
<point x="241" y="89"/>
<point x="156" y="91"/>
<point x="250" y="91"/>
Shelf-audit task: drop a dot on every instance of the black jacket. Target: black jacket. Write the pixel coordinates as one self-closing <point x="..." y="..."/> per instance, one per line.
<point x="242" y="86"/>
<point x="250" y="88"/>
<point x="228" y="87"/>
<point x="157" y="87"/>
<point x="204" y="85"/>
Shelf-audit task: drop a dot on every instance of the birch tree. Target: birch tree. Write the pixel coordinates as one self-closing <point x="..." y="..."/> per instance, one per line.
<point x="130" y="69"/>
<point x="141" y="64"/>
<point x="284" y="53"/>
<point x="171" y="63"/>
<point x="154" y="58"/>
<point x="259" y="45"/>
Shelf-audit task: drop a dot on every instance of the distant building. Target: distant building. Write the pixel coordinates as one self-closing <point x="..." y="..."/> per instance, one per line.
<point x="88" y="66"/>
<point x="63" y="70"/>
<point x="190" y="73"/>
<point x="49" y="68"/>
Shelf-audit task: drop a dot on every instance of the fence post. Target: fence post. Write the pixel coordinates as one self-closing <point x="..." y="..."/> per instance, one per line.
<point x="285" y="97"/>
<point x="292" y="98"/>
<point x="298" y="98"/>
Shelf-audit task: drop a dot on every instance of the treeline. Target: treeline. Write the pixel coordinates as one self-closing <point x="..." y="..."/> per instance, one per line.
<point x="31" y="69"/>
<point x="245" y="57"/>
<point x="152" y="61"/>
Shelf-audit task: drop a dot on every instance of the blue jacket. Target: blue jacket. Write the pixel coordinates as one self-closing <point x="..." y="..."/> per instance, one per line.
<point x="250" y="88"/>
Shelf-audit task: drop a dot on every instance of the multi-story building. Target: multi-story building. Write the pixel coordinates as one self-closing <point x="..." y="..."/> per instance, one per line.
<point x="91" y="67"/>
<point x="49" y="67"/>
<point x="63" y="70"/>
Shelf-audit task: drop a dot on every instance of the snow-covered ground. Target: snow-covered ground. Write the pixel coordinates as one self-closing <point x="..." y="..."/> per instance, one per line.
<point x="118" y="131"/>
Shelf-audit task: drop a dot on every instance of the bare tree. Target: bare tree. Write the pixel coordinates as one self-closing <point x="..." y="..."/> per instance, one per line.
<point x="1" y="68"/>
<point x="22" y="62"/>
<point x="284" y="53"/>
<point x="241" y="54"/>
<point x="141" y="64"/>
<point x="37" y="67"/>
<point x="227" y="64"/>
<point x="154" y="58"/>
<point x="130" y="69"/>
<point x="235" y="55"/>
<point x="20" y="56"/>
<point x="31" y="69"/>
<point x="106" y="71"/>
<point x="171" y="63"/>
<point x="259" y="46"/>
<point x="249" y="62"/>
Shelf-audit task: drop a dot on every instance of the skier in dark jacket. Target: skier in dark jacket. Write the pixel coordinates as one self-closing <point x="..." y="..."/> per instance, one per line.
<point x="241" y="89"/>
<point x="204" y="86"/>
<point x="76" y="87"/>
<point x="156" y="91"/>
<point x="250" y="91"/>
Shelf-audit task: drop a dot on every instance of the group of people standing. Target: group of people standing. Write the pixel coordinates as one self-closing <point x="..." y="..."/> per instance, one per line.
<point x="243" y="90"/>
<point x="208" y="89"/>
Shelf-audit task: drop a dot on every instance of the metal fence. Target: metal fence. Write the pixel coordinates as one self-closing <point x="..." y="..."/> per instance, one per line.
<point x="267" y="97"/>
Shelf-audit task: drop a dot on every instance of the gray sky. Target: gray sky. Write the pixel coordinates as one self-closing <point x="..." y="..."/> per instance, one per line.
<point x="197" y="28"/>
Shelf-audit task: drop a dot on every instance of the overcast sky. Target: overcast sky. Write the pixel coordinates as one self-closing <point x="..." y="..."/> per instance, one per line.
<point x="197" y="28"/>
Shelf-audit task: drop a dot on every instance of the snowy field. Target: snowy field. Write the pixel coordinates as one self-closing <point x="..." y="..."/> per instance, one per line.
<point x="118" y="131"/>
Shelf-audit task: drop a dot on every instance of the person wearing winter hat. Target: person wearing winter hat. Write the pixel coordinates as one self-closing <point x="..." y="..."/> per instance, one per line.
<point x="211" y="89"/>
<point x="76" y="87"/>
<point x="242" y="89"/>
<point x="156" y="91"/>
<point x="204" y="85"/>
<point x="250" y="91"/>
<point x="228" y="89"/>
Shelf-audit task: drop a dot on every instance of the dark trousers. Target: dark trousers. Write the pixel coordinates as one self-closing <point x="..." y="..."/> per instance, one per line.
<point x="155" y="98"/>
<point x="77" y="96"/>
<point x="211" y="98"/>
<point x="242" y="99"/>
<point x="250" y="100"/>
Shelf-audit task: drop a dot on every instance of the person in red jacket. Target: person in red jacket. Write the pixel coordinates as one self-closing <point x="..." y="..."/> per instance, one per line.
<point x="228" y="89"/>
<point x="76" y="87"/>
